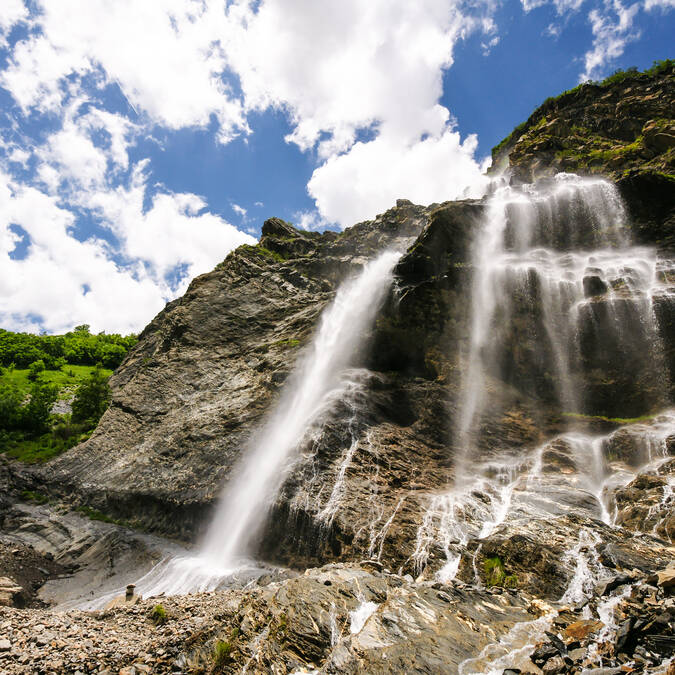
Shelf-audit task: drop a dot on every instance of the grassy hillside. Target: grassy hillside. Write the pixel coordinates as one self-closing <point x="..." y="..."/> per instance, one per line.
<point x="41" y="377"/>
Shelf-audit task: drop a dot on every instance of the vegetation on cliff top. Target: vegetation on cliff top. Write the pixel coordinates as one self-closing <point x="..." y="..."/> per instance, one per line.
<point x="659" y="68"/>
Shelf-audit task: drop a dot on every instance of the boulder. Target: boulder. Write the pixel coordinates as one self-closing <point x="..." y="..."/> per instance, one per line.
<point x="9" y="591"/>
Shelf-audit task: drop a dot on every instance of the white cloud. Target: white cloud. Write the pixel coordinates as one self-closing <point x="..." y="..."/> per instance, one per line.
<point x="20" y="156"/>
<point x="371" y="176"/>
<point x="310" y="220"/>
<point x="49" y="281"/>
<point x="239" y="210"/>
<point x="341" y="67"/>
<point x="11" y="12"/>
<point x="659" y="4"/>
<point x="162" y="55"/>
<point x="67" y="281"/>
<point x="174" y="231"/>
<point x="71" y="155"/>
<point x="612" y="29"/>
<point x="561" y="6"/>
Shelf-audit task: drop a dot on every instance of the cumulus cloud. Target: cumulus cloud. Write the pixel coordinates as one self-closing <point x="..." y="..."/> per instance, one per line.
<point x="70" y="155"/>
<point x="342" y="70"/>
<point x="62" y="281"/>
<point x="162" y="56"/>
<point x="612" y="28"/>
<point x="11" y="12"/>
<point x="338" y="69"/>
<point x="341" y="67"/>
<point x="370" y="177"/>
<point x="175" y="231"/>
<point x="65" y="281"/>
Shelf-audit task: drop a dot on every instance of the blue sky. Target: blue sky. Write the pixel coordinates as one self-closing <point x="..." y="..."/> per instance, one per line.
<point x="143" y="141"/>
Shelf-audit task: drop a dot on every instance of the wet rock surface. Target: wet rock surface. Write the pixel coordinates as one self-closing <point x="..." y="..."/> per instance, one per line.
<point x="206" y="369"/>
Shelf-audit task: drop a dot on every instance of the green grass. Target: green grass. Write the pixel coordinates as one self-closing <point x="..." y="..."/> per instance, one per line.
<point x="36" y="450"/>
<point x="62" y="378"/>
<point x="221" y="653"/>
<point x="158" y="615"/>
<point x="35" y="497"/>
<point x="289" y="342"/>
<point x="93" y="514"/>
<point x="613" y="420"/>
<point x="262" y="251"/>
<point x="495" y="574"/>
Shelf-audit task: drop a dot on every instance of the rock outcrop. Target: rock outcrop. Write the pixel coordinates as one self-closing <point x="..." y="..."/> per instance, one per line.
<point x="621" y="128"/>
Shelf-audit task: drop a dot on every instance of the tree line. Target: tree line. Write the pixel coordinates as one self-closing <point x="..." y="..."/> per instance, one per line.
<point x="77" y="347"/>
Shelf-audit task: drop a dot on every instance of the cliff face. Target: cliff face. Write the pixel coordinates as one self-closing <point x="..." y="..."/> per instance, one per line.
<point x="210" y="365"/>
<point x="207" y="368"/>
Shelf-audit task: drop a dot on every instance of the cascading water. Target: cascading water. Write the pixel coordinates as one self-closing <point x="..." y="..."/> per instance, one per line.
<point x="321" y="377"/>
<point x="559" y="294"/>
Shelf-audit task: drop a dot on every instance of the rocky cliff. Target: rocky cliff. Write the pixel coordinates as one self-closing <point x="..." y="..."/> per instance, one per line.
<point x="550" y="503"/>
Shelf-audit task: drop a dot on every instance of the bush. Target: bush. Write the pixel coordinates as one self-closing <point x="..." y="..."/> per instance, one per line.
<point x="34" y="416"/>
<point x="495" y="574"/>
<point x="158" y="615"/>
<point x="221" y="654"/>
<point x="10" y="405"/>
<point x="36" y="369"/>
<point x="91" y="399"/>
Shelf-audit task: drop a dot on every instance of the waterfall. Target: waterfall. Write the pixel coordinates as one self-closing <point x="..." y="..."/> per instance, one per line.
<point x="321" y="374"/>
<point x="549" y="250"/>
<point x="558" y="295"/>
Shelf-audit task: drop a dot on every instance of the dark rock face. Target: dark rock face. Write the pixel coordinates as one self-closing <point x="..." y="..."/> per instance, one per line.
<point x="207" y="368"/>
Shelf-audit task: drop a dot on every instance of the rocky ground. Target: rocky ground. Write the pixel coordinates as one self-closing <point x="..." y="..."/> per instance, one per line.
<point x="25" y="571"/>
<point x="352" y="619"/>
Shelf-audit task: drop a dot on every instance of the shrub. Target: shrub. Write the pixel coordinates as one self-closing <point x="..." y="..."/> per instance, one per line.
<point x="35" y="497"/>
<point x="91" y="399"/>
<point x="35" y="369"/>
<point x="34" y="416"/>
<point x="494" y="571"/>
<point x="10" y="404"/>
<point x="221" y="653"/>
<point x="158" y="615"/>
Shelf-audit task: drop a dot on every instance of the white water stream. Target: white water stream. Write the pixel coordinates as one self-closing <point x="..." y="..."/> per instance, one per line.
<point x="556" y="254"/>
<point x="316" y="382"/>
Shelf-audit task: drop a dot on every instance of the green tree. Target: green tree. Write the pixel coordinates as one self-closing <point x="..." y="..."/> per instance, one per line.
<point x="10" y="405"/>
<point x="91" y="398"/>
<point x="35" y="369"/>
<point x="35" y="414"/>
